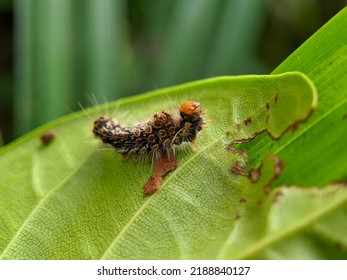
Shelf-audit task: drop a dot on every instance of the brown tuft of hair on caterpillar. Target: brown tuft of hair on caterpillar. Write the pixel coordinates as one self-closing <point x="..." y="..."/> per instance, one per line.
<point x="156" y="138"/>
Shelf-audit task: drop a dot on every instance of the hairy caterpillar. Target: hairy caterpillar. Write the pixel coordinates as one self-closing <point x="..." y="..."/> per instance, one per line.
<point x="155" y="138"/>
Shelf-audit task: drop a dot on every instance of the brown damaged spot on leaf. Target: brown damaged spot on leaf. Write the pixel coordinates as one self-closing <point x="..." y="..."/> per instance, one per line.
<point x="247" y="121"/>
<point x="47" y="137"/>
<point x="254" y="174"/>
<point x="161" y="166"/>
<point x="239" y="141"/>
<point x="278" y="166"/>
<point x="294" y="126"/>
<point x="237" y="217"/>
<point x="278" y="195"/>
<point x="234" y="150"/>
<point x="238" y="168"/>
<point x="276" y="97"/>
<point x="267" y="106"/>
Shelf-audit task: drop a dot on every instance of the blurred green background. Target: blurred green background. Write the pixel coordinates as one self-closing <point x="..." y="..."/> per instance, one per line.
<point x="56" y="54"/>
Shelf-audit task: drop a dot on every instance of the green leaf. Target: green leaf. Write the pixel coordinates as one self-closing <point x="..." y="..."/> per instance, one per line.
<point x="72" y="200"/>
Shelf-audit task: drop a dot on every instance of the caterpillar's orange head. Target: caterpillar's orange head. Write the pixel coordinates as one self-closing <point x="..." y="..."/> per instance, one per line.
<point x="190" y="107"/>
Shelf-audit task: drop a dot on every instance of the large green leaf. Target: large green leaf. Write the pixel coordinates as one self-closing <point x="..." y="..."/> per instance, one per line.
<point x="71" y="199"/>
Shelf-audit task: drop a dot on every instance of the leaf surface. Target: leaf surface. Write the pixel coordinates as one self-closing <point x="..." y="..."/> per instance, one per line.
<point x="75" y="200"/>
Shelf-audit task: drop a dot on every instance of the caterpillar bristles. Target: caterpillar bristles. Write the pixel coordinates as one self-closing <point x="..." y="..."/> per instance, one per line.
<point x="155" y="138"/>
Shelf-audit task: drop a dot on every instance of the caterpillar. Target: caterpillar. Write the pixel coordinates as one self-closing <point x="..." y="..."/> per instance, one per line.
<point x="155" y="138"/>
